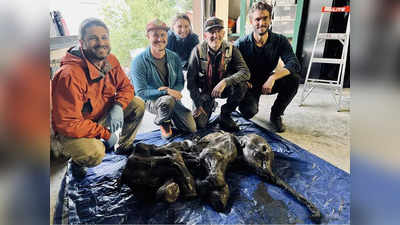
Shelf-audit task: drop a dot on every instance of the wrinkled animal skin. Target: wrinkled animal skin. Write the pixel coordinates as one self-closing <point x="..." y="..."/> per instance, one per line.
<point x="152" y="174"/>
<point x="218" y="151"/>
<point x="162" y="173"/>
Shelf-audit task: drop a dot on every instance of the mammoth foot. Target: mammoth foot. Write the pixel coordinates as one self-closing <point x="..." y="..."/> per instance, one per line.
<point x="169" y="192"/>
<point x="218" y="199"/>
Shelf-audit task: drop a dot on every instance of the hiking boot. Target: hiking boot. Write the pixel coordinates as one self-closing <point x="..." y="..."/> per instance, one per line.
<point x="276" y="122"/>
<point x="166" y="130"/>
<point x="227" y="123"/>
<point x="78" y="171"/>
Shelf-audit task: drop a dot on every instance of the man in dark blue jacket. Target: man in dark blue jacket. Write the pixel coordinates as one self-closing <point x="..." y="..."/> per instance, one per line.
<point x="261" y="50"/>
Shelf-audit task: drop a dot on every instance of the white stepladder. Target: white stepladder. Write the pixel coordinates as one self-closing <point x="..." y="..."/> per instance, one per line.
<point x="335" y="85"/>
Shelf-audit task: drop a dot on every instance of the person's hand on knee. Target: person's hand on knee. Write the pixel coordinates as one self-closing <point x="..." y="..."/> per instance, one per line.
<point x="218" y="89"/>
<point x="174" y="93"/>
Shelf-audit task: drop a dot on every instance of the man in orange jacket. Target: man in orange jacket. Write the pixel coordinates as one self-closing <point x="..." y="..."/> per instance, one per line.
<point x="93" y="101"/>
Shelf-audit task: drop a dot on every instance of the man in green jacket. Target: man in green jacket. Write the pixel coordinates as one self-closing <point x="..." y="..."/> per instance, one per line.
<point x="216" y="70"/>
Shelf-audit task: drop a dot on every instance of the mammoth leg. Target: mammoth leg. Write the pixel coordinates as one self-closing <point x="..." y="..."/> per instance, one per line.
<point x="214" y="187"/>
<point x="218" y="199"/>
<point x="183" y="177"/>
<point x="219" y="150"/>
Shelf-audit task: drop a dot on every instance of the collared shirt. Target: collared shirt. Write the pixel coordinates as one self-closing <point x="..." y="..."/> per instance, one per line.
<point x="215" y="60"/>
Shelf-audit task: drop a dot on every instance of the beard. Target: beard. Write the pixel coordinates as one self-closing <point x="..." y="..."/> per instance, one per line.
<point x="262" y="33"/>
<point x="215" y="44"/>
<point x="159" y="45"/>
<point x="92" y="53"/>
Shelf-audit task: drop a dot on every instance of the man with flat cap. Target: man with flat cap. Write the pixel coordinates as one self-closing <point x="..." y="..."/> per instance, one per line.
<point x="216" y="70"/>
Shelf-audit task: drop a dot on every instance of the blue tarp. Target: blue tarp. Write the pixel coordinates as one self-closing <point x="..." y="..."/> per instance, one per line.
<point x="95" y="199"/>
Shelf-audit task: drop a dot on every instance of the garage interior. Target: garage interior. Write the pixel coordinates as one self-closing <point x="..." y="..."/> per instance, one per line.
<point x="319" y="125"/>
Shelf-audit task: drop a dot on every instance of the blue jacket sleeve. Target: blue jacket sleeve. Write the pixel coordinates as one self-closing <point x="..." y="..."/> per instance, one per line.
<point x="288" y="57"/>
<point x="142" y="87"/>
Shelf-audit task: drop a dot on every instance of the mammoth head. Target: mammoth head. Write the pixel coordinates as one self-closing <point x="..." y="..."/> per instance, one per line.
<point x="256" y="151"/>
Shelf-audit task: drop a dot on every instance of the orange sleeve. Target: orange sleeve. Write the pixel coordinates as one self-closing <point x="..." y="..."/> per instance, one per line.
<point x="67" y="99"/>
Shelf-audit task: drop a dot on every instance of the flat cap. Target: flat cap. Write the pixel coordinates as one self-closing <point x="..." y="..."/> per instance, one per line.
<point x="213" y="22"/>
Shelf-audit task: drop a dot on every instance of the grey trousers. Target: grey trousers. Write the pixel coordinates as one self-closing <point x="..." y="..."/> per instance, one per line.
<point x="167" y="108"/>
<point x="90" y="151"/>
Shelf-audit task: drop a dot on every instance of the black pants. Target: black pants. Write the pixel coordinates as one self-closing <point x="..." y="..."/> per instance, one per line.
<point x="286" y="88"/>
<point x="234" y="95"/>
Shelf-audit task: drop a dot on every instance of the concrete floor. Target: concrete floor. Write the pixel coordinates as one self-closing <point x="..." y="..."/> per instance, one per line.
<point x="316" y="127"/>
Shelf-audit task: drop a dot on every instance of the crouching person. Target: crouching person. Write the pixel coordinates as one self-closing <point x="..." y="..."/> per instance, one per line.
<point x="262" y="50"/>
<point x="93" y="103"/>
<point x="216" y="70"/>
<point x="158" y="79"/>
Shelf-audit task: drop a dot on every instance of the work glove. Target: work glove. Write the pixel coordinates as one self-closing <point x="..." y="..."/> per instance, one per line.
<point x="112" y="141"/>
<point x="115" y="118"/>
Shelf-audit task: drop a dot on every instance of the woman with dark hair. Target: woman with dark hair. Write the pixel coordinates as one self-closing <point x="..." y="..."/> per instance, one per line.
<point x="181" y="39"/>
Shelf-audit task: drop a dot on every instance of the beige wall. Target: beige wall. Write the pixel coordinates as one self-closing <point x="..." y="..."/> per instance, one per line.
<point x="224" y="9"/>
<point x="196" y="6"/>
<point x="228" y="9"/>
